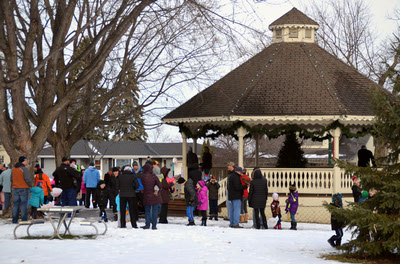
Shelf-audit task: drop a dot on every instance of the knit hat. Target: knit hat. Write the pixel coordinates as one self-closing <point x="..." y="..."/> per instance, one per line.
<point x="64" y="159"/>
<point x="292" y="187"/>
<point x="239" y="169"/>
<point x="181" y="180"/>
<point x="114" y="169"/>
<point x="364" y="194"/>
<point x="155" y="162"/>
<point x="91" y="164"/>
<point x="101" y="182"/>
<point x="135" y="163"/>
<point x="354" y="178"/>
<point x="275" y="196"/>
<point x="21" y="159"/>
<point x="231" y="164"/>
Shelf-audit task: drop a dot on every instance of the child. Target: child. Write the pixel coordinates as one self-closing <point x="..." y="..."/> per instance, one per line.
<point x="127" y="216"/>
<point x="202" y="201"/>
<point x="291" y="205"/>
<point x="213" y="187"/>
<point x="83" y="191"/>
<point x="364" y="197"/>
<point x="276" y="210"/>
<point x="37" y="199"/>
<point x="245" y="180"/>
<point x="101" y="198"/>
<point x="337" y="226"/>
<point x="190" y="199"/>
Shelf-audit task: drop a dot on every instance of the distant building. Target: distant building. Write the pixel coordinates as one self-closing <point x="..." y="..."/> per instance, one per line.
<point x="108" y="154"/>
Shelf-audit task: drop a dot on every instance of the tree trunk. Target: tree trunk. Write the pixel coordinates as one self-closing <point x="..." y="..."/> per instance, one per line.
<point x="381" y="151"/>
<point x="61" y="149"/>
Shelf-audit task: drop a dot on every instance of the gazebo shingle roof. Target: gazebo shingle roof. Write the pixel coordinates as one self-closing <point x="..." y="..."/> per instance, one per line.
<point x="284" y="79"/>
<point x="294" y="16"/>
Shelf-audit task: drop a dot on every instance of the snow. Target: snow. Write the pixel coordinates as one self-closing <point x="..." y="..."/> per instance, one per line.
<point x="171" y="243"/>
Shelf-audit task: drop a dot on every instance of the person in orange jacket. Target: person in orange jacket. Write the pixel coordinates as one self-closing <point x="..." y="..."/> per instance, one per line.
<point x="40" y="176"/>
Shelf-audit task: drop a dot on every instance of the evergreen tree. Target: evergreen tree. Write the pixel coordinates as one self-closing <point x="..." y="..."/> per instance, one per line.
<point x="375" y="223"/>
<point x="291" y="155"/>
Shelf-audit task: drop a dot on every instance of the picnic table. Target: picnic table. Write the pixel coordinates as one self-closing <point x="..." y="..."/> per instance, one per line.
<point x="62" y="212"/>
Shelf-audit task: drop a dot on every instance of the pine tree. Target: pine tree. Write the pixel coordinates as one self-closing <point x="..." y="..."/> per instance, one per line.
<point x="375" y="223"/>
<point x="291" y="155"/>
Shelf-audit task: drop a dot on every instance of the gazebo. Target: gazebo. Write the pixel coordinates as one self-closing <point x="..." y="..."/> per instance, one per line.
<point x="292" y="85"/>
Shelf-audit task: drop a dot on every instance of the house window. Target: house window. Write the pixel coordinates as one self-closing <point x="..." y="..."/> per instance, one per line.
<point x="278" y="33"/>
<point x="42" y="163"/>
<point x="293" y="33"/>
<point x="122" y="162"/>
<point x="308" y="33"/>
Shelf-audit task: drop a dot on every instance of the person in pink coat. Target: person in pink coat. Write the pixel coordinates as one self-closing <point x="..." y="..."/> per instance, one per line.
<point x="83" y="191"/>
<point x="202" y="198"/>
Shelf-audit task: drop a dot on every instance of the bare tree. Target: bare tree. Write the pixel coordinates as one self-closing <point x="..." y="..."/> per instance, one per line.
<point x="53" y="51"/>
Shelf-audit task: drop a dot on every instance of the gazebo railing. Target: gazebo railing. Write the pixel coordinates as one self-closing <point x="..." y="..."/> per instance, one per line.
<point x="317" y="181"/>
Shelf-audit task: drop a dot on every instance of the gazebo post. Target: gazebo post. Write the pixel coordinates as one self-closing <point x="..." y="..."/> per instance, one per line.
<point x="241" y="132"/>
<point x="257" y="136"/>
<point x="336" y="170"/>
<point x="184" y="155"/>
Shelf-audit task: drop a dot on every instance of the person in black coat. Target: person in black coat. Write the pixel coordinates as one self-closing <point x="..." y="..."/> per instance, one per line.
<point x="206" y="161"/>
<point x="235" y="194"/>
<point x="101" y="198"/>
<point x="165" y="195"/>
<point x="67" y="179"/>
<point x="258" y="197"/>
<point x="336" y="224"/>
<point x="213" y="187"/>
<point x="127" y="185"/>
<point x="190" y="199"/>
<point x="113" y="190"/>
<point x="191" y="158"/>
<point x="356" y="189"/>
<point x="364" y="157"/>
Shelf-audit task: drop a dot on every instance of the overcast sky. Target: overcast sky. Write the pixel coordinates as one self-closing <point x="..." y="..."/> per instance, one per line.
<point x="268" y="11"/>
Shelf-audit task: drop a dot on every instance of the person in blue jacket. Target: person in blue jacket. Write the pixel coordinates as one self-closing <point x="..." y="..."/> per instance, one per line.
<point x="91" y="178"/>
<point x="37" y="199"/>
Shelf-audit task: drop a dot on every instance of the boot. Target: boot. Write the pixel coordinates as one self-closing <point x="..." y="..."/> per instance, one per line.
<point x="204" y="222"/>
<point x="293" y="226"/>
<point x="246" y="217"/>
<point x="211" y="217"/>
<point x="265" y="225"/>
<point x="241" y="218"/>
<point x="331" y="241"/>
<point x="191" y="223"/>
<point x="338" y="242"/>
<point x="280" y="226"/>
<point x="216" y="217"/>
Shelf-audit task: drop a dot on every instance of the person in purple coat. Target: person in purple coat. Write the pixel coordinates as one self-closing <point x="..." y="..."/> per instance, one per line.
<point x="202" y="199"/>
<point x="151" y="199"/>
<point x="291" y="205"/>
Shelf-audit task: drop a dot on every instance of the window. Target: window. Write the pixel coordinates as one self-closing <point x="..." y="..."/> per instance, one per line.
<point x="2" y="159"/>
<point x="122" y="162"/>
<point x="278" y="33"/>
<point x="293" y="33"/>
<point x="308" y="33"/>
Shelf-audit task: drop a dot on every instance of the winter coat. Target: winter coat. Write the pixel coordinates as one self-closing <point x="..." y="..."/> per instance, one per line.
<point x="356" y="193"/>
<point x="195" y="174"/>
<point x="258" y="191"/>
<point x="202" y="199"/>
<point x="165" y="186"/>
<point x="292" y="202"/>
<point x="113" y="185"/>
<point x="5" y="180"/>
<point x="91" y="177"/>
<point x="138" y="176"/>
<point x="235" y="187"/>
<point x="192" y="159"/>
<point x="245" y="180"/>
<point x="101" y="196"/>
<point x="37" y="197"/>
<point x="149" y="180"/>
<point x="83" y="189"/>
<point x="157" y="172"/>
<point x="190" y="193"/>
<point x="336" y="224"/>
<point x="364" y="157"/>
<point x="42" y="177"/>
<point x="127" y="184"/>
<point x="276" y="209"/>
<point x="212" y="190"/>
<point x="64" y="176"/>
<point x="21" y="178"/>
<point x="207" y="160"/>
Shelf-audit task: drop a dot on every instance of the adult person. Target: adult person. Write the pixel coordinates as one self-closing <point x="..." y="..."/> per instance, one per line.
<point x="235" y="193"/>
<point x="356" y="190"/>
<point x="91" y="178"/>
<point x="191" y="158"/>
<point x="67" y="178"/>
<point x="127" y="185"/>
<point x="365" y="156"/>
<point x="78" y="168"/>
<point x="113" y="190"/>
<point x="165" y="195"/>
<point x="231" y="169"/>
<point x="151" y="201"/>
<point x="194" y="173"/>
<point x="139" y="194"/>
<point x="2" y="168"/>
<point x="5" y="181"/>
<point x="21" y="184"/>
<point x="107" y="178"/>
<point x="40" y="176"/>
<point x="206" y="161"/>
<point x="245" y="180"/>
<point x="258" y="197"/>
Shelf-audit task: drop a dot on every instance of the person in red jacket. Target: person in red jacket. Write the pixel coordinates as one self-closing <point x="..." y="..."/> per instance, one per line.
<point x="245" y="180"/>
<point x="40" y="176"/>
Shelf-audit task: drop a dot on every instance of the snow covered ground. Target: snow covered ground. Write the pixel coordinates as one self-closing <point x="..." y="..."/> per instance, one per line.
<point x="171" y="243"/>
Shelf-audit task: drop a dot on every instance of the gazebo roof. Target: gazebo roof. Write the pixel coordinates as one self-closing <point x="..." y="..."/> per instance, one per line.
<point x="294" y="16"/>
<point x="287" y="81"/>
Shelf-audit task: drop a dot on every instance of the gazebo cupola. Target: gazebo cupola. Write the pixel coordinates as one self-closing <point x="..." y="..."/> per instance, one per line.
<point x="294" y="26"/>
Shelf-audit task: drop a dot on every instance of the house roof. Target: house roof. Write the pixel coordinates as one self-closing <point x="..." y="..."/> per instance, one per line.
<point x="285" y="79"/>
<point x="294" y="16"/>
<point x="122" y="148"/>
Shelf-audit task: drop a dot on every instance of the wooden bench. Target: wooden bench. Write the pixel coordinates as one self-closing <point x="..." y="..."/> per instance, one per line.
<point x="28" y="223"/>
<point x="91" y="222"/>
